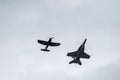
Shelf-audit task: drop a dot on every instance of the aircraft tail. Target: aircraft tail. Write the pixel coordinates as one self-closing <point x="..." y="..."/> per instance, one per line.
<point x="45" y="50"/>
<point x="79" y="62"/>
<point x="75" y="61"/>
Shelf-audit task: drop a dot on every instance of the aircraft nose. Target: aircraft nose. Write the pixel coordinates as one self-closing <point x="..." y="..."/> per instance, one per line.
<point x="38" y="41"/>
<point x="85" y="41"/>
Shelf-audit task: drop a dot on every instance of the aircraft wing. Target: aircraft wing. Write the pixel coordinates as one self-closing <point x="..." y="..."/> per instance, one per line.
<point x="54" y="44"/>
<point x="85" y="55"/>
<point x="42" y="42"/>
<point x="72" y="54"/>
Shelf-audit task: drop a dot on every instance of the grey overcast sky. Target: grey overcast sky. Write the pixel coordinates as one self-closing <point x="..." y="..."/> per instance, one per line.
<point x="23" y="22"/>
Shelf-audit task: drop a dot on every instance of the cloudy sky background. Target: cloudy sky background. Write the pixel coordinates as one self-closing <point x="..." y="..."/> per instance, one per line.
<point x="23" y="22"/>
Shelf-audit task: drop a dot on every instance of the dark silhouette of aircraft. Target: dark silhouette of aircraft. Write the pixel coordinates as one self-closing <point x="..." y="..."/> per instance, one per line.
<point x="76" y="55"/>
<point x="48" y="43"/>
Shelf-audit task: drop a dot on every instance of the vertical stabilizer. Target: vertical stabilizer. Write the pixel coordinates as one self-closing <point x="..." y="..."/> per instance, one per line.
<point x="79" y="62"/>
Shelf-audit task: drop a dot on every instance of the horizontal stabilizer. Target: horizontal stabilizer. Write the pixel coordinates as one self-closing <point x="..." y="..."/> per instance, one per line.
<point x="79" y="62"/>
<point x="73" y="61"/>
<point x="45" y="50"/>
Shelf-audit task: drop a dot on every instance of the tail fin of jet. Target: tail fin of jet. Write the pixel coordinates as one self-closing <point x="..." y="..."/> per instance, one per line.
<point x="79" y="62"/>
<point x="74" y="61"/>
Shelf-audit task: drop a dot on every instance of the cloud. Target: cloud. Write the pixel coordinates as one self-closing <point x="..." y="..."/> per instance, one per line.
<point x="108" y="72"/>
<point x="63" y="4"/>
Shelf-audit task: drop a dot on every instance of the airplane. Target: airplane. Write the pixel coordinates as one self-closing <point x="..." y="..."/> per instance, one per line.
<point x="76" y="55"/>
<point x="48" y="43"/>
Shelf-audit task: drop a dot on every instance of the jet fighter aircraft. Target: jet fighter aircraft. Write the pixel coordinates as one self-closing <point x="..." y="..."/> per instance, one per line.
<point x="76" y="55"/>
<point x="48" y="43"/>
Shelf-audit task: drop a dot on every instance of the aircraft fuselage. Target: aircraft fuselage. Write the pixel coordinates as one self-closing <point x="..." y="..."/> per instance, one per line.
<point x="49" y="41"/>
<point x="80" y="51"/>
